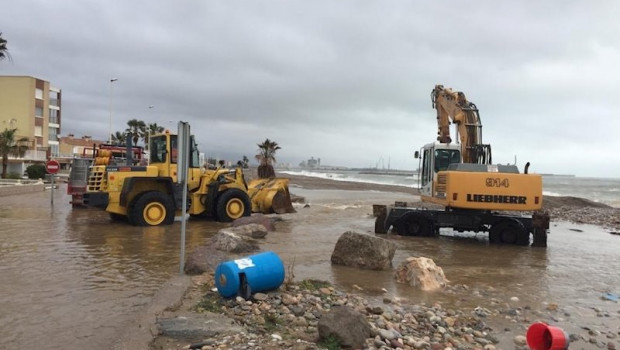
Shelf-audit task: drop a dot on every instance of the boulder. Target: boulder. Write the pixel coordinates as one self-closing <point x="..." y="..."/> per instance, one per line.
<point x="363" y="251"/>
<point x="348" y="326"/>
<point x="249" y="230"/>
<point x="260" y="219"/>
<point x="228" y="241"/>
<point x="204" y="259"/>
<point x="422" y="273"/>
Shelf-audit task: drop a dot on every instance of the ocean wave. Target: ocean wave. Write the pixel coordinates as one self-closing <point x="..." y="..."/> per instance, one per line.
<point x="406" y="181"/>
<point x="552" y="194"/>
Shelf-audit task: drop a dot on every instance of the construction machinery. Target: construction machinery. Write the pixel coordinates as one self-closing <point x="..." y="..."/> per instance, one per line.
<point x="102" y="154"/>
<point x="474" y="194"/>
<point x="150" y="195"/>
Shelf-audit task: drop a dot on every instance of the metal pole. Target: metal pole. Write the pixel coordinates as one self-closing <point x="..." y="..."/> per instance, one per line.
<point x="183" y="220"/>
<point x="183" y="145"/>
<point x="52" y="191"/>
<point x="110" y="126"/>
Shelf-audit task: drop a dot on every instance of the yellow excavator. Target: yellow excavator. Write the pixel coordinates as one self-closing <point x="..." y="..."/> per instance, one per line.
<point x="475" y="194"/>
<point x="150" y="195"/>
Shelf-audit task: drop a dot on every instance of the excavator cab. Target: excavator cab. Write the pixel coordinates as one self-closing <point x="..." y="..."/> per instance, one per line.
<point x="436" y="157"/>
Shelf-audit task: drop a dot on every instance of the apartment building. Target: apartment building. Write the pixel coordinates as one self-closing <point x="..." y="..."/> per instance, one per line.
<point x="33" y="107"/>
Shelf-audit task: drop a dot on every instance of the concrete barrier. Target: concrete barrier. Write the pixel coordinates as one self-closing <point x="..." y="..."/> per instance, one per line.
<point x="11" y="190"/>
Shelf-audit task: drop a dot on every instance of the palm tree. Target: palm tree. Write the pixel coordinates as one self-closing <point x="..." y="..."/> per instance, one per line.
<point x="137" y="130"/>
<point x="152" y="129"/>
<point x="118" y="138"/>
<point x="10" y="146"/>
<point x="245" y="162"/>
<point x="266" y="158"/>
<point x="4" y="52"/>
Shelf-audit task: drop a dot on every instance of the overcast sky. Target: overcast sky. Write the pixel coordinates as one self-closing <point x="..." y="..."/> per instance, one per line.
<point x="345" y="81"/>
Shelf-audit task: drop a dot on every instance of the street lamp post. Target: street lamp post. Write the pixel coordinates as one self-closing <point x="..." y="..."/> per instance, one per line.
<point x="110" y="127"/>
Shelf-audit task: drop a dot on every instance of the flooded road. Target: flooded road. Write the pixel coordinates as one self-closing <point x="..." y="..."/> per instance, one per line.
<point x="73" y="278"/>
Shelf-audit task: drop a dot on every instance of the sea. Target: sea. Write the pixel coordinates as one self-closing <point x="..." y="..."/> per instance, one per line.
<point x="602" y="190"/>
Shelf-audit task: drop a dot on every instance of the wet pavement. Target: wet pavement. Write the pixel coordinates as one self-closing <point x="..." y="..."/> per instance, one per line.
<point x="73" y="278"/>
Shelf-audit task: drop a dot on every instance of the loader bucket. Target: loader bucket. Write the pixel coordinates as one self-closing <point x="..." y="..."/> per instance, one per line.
<point x="270" y="196"/>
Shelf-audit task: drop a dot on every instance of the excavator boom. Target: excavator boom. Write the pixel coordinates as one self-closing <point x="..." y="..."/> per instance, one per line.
<point x="453" y="106"/>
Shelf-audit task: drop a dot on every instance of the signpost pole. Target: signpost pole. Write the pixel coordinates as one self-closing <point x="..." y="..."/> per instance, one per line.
<point x="52" y="191"/>
<point x="52" y="166"/>
<point x="184" y="154"/>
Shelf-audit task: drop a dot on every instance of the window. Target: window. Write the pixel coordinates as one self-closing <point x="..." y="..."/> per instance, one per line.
<point x="174" y="150"/>
<point x="38" y="112"/>
<point x="53" y="98"/>
<point x="38" y="131"/>
<point x="53" y="134"/>
<point x="158" y="149"/>
<point x="425" y="167"/>
<point x="445" y="157"/>
<point x="38" y="94"/>
<point x="54" y="149"/>
<point x="194" y="161"/>
<point x="53" y="116"/>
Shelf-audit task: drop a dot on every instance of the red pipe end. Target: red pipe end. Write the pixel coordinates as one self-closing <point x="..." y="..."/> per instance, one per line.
<point x="541" y="336"/>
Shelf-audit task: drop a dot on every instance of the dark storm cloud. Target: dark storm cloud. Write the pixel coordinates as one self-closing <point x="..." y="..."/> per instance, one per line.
<point x="345" y="81"/>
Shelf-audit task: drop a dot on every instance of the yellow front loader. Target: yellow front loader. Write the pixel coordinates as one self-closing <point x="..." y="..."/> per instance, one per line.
<point x="150" y="195"/>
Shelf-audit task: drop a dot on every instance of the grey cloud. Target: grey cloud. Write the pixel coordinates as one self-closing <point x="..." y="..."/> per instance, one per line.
<point x="346" y="81"/>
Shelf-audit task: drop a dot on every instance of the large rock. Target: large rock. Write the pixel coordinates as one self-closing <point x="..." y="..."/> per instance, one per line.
<point x="363" y="251"/>
<point x="349" y="327"/>
<point x="422" y="273"/>
<point x="260" y="219"/>
<point x="228" y="240"/>
<point x="249" y="230"/>
<point x="204" y="259"/>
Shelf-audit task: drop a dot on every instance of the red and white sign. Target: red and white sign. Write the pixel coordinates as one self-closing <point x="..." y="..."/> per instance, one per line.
<point x="52" y="166"/>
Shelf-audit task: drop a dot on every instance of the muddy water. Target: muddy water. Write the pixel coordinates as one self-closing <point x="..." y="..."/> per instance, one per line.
<point x="73" y="279"/>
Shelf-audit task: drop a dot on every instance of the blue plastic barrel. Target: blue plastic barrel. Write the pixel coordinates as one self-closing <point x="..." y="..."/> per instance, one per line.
<point x="261" y="272"/>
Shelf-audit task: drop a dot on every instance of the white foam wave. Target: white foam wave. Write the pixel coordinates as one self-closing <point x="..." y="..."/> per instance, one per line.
<point x="552" y="194"/>
<point x="360" y="178"/>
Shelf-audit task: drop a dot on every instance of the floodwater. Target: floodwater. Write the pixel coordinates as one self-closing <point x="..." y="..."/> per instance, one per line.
<point x="74" y="279"/>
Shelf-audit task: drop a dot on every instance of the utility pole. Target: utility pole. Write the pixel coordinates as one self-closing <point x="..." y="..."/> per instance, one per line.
<point x="110" y="127"/>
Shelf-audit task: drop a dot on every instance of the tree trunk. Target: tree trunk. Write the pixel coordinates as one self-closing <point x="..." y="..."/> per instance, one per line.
<point x="5" y="164"/>
<point x="266" y="171"/>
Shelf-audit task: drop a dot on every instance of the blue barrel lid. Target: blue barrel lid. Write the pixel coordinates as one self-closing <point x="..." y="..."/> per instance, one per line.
<point x="227" y="279"/>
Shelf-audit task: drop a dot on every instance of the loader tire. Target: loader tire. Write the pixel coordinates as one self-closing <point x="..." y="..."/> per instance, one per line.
<point x="152" y="209"/>
<point x="233" y="204"/>
<point x="509" y="232"/>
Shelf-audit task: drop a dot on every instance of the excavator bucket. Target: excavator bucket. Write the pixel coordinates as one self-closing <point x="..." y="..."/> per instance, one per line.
<point x="270" y="196"/>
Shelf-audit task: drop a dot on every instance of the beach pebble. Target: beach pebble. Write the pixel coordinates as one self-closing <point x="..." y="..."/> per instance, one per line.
<point x="520" y="340"/>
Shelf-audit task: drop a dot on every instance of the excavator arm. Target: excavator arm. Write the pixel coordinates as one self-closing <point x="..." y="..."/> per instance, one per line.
<point x="452" y="106"/>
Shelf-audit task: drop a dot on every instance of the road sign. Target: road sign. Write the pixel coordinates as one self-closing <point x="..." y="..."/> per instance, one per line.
<point x="52" y="166"/>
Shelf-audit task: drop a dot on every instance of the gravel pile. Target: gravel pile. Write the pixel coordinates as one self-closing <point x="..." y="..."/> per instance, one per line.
<point x="608" y="218"/>
<point x="288" y="319"/>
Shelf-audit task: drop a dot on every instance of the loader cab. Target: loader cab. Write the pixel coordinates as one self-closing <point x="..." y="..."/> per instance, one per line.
<point x="435" y="157"/>
<point x="164" y="155"/>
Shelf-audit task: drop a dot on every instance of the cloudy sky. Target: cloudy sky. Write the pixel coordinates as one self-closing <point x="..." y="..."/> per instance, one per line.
<point x="345" y="81"/>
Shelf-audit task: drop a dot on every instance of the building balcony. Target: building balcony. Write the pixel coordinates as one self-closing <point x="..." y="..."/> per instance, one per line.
<point x="31" y="155"/>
